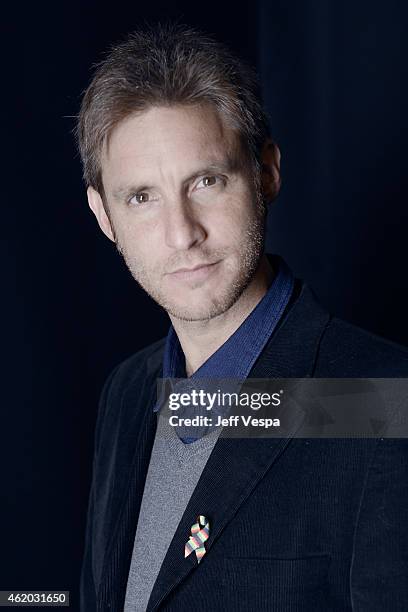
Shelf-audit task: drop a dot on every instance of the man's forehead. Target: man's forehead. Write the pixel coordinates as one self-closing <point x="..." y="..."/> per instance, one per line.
<point x="179" y="139"/>
<point x="198" y="130"/>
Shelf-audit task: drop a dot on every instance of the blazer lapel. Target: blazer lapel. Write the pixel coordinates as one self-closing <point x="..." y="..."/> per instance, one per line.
<point x="236" y="465"/>
<point x="232" y="471"/>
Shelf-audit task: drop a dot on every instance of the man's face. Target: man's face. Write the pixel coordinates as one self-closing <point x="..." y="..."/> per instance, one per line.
<point x="183" y="209"/>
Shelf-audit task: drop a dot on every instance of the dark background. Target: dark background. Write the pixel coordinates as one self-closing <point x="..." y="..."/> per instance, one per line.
<point x="334" y="81"/>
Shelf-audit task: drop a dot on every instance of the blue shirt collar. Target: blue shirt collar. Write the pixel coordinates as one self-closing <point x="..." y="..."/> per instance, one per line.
<point x="236" y="357"/>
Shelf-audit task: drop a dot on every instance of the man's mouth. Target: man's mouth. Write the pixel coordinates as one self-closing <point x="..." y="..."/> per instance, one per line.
<point x="200" y="271"/>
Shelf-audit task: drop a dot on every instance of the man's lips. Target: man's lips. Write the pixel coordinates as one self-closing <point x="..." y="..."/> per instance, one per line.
<point x="194" y="268"/>
<point x="201" y="270"/>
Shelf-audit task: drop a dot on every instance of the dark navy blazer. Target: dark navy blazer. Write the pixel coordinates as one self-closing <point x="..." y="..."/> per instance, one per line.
<point x="296" y="524"/>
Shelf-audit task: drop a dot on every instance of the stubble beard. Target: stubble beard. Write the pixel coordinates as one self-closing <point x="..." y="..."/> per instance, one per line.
<point x="249" y="260"/>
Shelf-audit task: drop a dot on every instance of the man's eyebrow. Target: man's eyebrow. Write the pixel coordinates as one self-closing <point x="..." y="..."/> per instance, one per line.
<point x="228" y="165"/>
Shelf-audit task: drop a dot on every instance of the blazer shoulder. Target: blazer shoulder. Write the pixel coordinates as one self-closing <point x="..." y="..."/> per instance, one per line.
<point x="348" y="350"/>
<point x="138" y="369"/>
<point x="145" y="363"/>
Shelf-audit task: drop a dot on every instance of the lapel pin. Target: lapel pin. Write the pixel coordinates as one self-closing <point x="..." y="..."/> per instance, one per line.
<point x="200" y="532"/>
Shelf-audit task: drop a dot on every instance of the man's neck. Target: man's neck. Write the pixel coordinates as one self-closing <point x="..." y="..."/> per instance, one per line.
<point x="200" y="339"/>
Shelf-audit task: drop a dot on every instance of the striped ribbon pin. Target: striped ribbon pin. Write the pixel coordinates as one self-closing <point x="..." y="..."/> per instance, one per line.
<point x="200" y="532"/>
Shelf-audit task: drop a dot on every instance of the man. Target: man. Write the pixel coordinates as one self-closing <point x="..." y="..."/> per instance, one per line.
<point x="179" y="167"/>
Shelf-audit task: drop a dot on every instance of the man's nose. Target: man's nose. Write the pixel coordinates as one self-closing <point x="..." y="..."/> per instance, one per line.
<point x="182" y="226"/>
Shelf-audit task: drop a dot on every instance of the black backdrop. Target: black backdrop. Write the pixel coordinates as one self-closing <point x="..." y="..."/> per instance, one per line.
<point x="334" y="81"/>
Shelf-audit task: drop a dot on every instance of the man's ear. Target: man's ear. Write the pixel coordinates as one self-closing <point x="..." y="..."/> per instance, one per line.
<point x="270" y="179"/>
<point x="98" y="209"/>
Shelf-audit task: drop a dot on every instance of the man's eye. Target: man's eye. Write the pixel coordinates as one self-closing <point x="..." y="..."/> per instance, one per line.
<point x="208" y="181"/>
<point x="140" y="198"/>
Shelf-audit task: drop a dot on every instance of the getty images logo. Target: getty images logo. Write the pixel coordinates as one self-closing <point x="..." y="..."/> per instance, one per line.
<point x="208" y="400"/>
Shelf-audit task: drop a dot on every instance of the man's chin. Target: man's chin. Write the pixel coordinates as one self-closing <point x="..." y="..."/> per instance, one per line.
<point x="202" y="309"/>
<point x="198" y="313"/>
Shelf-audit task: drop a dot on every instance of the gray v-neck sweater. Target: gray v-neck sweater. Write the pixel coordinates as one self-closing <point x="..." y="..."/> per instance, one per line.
<point x="174" y="471"/>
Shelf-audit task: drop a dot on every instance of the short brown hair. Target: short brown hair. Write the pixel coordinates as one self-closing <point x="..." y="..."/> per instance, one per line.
<point x="161" y="66"/>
